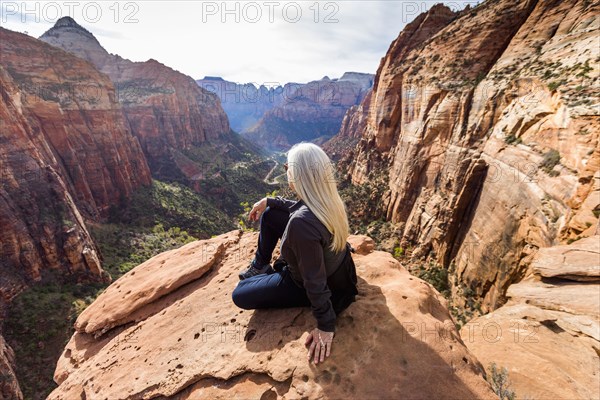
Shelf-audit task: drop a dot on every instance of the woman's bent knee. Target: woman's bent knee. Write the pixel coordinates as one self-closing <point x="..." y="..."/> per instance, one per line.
<point x="240" y="298"/>
<point x="274" y="216"/>
<point x="266" y="215"/>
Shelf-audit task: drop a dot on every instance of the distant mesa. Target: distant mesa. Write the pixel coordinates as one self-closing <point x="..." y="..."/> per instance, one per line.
<point x="357" y="76"/>
<point x="275" y="118"/>
<point x="313" y="111"/>
<point x="213" y="78"/>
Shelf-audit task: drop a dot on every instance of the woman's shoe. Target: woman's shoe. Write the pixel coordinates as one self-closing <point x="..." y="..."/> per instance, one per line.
<point x="253" y="270"/>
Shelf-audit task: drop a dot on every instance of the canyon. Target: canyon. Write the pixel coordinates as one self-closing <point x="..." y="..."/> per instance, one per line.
<point x="487" y="152"/>
<point x="77" y="144"/>
<point x="244" y="104"/>
<point x="311" y="111"/>
<point x="67" y="155"/>
<point x="277" y="116"/>
<point x="476" y="140"/>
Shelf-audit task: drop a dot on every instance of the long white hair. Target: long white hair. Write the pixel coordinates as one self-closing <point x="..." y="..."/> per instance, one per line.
<point x="313" y="176"/>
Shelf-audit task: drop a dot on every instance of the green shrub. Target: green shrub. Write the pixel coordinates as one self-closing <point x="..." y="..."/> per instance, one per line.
<point x="479" y="78"/>
<point x="550" y="160"/>
<point x="437" y="276"/>
<point x="552" y="86"/>
<point x="510" y="139"/>
<point x="553" y="173"/>
<point x="398" y="252"/>
<point x="498" y="378"/>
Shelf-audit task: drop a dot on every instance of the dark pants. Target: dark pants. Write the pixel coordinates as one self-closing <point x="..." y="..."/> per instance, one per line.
<point x="277" y="289"/>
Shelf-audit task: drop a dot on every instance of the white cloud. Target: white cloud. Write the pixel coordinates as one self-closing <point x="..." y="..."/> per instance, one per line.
<point x="190" y="36"/>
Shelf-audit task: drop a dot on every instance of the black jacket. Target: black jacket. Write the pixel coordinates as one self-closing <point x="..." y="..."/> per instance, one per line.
<point x="329" y="278"/>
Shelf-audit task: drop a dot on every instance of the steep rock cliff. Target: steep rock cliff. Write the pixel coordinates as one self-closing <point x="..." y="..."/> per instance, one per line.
<point x="168" y="328"/>
<point x="485" y="125"/>
<point x="166" y="109"/>
<point x="354" y="123"/>
<point x="73" y="108"/>
<point x="66" y="155"/>
<point x="9" y="387"/>
<point x="309" y="112"/>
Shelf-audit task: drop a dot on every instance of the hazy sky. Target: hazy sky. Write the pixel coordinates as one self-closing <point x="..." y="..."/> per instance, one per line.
<point x="242" y="41"/>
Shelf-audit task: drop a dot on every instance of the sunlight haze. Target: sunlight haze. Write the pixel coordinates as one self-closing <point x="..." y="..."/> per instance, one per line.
<point x="261" y="42"/>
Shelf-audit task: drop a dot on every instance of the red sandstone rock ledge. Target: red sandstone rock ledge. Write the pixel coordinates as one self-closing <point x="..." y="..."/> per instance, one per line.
<point x="169" y="328"/>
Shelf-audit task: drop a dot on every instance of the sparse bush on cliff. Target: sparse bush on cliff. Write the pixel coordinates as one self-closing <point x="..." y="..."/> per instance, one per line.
<point x="498" y="378"/>
<point x="550" y="160"/>
<point x="582" y="131"/>
<point x="398" y="252"/>
<point x="552" y="86"/>
<point x="512" y="139"/>
<point x="437" y="276"/>
<point x="464" y="305"/>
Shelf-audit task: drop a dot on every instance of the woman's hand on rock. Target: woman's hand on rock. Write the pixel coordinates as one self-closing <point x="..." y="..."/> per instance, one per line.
<point x="320" y="345"/>
<point x="258" y="209"/>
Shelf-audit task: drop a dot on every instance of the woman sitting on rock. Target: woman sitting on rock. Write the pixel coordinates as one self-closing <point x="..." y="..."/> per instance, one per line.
<point x="315" y="267"/>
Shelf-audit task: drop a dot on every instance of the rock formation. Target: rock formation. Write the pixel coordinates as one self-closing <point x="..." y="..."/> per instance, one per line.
<point x="168" y="328"/>
<point x="548" y="334"/>
<point x="67" y="155"/>
<point x="166" y="109"/>
<point x="73" y="107"/>
<point x="244" y="104"/>
<point x="310" y="112"/>
<point x="485" y="126"/>
<point x="353" y="125"/>
<point x="9" y="387"/>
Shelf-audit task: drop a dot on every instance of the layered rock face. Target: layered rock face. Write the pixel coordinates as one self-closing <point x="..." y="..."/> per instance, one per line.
<point x="166" y="109"/>
<point x="549" y="324"/>
<point x="310" y="112"/>
<point x="73" y="107"/>
<point x="168" y="328"/>
<point x="9" y="387"/>
<point x="244" y="104"/>
<point x="486" y="126"/>
<point x="66" y="155"/>
<point x="42" y="227"/>
<point x="354" y="123"/>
